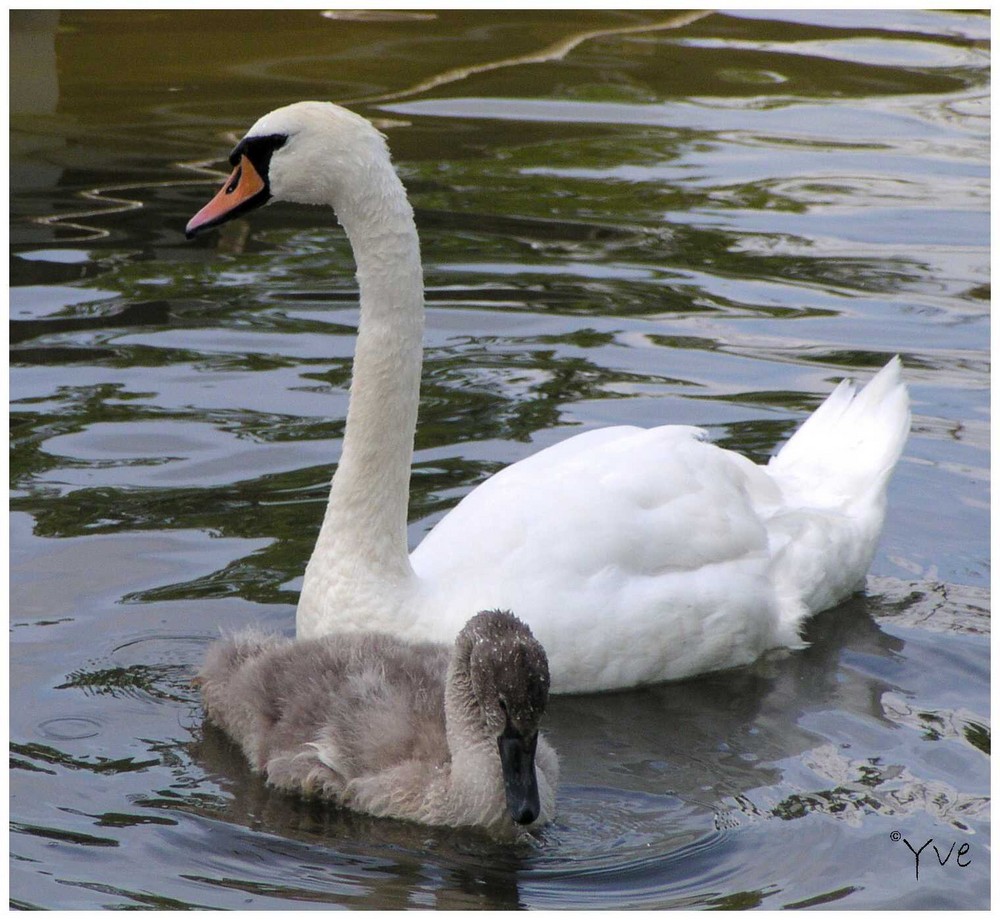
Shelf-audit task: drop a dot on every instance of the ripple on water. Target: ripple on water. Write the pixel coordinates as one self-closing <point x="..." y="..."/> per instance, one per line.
<point x="626" y="849"/>
<point x="154" y="668"/>
<point x="68" y="729"/>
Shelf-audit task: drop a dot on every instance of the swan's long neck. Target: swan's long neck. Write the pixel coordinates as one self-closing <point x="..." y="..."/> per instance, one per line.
<point x="365" y="524"/>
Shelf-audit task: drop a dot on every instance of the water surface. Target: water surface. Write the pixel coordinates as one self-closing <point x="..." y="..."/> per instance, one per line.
<point x="625" y="217"/>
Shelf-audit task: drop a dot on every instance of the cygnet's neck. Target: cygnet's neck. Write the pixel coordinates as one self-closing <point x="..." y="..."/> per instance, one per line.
<point x="365" y="522"/>
<point x="475" y="773"/>
<point x="464" y="720"/>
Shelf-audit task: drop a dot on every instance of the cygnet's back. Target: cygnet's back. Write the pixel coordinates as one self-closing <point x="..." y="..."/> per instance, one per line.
<point x="361" y="719"/>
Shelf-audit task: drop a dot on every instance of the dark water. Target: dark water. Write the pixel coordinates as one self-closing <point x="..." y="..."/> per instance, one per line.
<point x="633" y="217"/>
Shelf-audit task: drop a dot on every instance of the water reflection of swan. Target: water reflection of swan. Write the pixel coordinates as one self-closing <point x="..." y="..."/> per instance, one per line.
<point x="635" y="555"/>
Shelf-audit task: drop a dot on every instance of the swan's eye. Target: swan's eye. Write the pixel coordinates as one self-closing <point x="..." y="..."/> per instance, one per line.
<point x="236" y="180"/>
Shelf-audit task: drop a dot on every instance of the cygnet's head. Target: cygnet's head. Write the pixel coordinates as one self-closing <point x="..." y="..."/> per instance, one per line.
<point x="509" y="672"/>
<point x="307" y="152"/>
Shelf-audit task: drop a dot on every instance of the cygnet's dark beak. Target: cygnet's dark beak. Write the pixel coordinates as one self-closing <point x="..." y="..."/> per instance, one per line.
<point x="517" y="761"/>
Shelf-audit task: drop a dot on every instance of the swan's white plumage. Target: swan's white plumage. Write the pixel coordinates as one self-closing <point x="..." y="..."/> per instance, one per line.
<point x="670" y="556"/>
<point x="635" y="555"/>
<point x="596" y="542"/>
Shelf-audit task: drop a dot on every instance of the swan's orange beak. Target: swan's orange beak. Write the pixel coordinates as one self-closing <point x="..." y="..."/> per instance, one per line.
<point x="243" y="191"/>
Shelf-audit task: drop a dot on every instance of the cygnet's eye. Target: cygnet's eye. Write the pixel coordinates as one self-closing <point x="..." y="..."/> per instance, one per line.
<point x="503" y="705"/>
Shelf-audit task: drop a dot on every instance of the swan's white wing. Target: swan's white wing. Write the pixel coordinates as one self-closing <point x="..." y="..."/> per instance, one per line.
<point x="635" y="554"/>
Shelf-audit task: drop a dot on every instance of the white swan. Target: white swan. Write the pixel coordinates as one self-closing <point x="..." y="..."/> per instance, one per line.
<point x="635" y="555"/>
<point x="425" y="732"/>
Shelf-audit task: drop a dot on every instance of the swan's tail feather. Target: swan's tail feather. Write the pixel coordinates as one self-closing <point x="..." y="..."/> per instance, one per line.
<point x="849" y="446"/>
<point x="833" y="475"/>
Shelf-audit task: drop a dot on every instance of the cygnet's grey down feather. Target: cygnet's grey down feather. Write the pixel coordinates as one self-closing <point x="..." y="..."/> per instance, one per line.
<point x="424" y="732"/>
